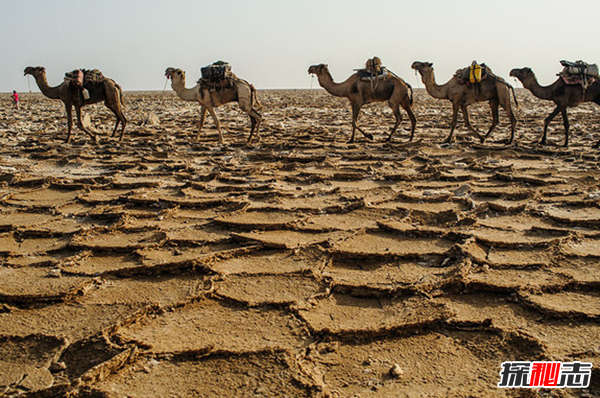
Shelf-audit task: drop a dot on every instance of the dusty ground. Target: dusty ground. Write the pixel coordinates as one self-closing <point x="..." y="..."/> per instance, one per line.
<point x="299" y="267"/>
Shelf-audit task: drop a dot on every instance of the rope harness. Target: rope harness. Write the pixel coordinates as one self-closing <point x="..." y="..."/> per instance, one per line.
<point x="159" y="102"/>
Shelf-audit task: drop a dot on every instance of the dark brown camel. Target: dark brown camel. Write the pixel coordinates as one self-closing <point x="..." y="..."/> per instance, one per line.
<point x="106" y="90"/>
<point x="494" y="90"/>
<point x="562" y="94"/>
<point x="393" y="90"/>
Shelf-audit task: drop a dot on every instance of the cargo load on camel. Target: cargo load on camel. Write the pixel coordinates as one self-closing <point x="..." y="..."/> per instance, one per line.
<point x="472" y="74"/>
<point x="579" y="72"/>
<point x="83" y="79"/>
<point x="217" y="75"/>
<point x="373" y="70"/>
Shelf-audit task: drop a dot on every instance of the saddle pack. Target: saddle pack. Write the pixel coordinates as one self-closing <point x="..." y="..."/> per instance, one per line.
<point x="579" y="72"/>
<point x="373" y="70"/>
<point x="472" y="74"/>
<point x="82" y="78"/>
<point x="217" y="74"/>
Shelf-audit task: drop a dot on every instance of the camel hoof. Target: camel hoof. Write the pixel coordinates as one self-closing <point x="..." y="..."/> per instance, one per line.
<point x="369" y="136"/>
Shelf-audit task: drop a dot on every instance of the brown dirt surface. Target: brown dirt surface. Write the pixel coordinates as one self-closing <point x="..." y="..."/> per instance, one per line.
<point x="301" y="266"/>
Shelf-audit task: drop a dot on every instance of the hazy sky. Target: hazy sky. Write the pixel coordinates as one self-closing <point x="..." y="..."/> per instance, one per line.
<point x="272" y="43"/>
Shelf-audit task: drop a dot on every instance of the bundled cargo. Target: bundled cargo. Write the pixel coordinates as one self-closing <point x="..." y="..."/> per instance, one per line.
<point x="473" y="74"/>
<point x="579" y="68"/>
<point x="373" y="70"/>
<point x="216" y="72"/>
<point x="80" y="77"/>
<point x="83" y="79"/>
<point x="579" y="72"/>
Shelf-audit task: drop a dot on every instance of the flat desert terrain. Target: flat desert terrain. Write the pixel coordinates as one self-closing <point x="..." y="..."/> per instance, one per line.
<point x="301" y="266"/>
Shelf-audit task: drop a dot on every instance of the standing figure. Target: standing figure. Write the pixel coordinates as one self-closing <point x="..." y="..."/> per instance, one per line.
<point x="15" y="100"/>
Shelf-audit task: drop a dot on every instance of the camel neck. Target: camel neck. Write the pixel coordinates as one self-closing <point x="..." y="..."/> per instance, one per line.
<point x="186" y="94"/>
<point x="434" y="89"/>
<point x="50" y="92"/>
<point x="333" y="88"/>
<point x="541" y="92"/>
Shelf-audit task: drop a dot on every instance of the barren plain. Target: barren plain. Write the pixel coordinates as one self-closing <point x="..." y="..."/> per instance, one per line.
<point x="302" y="266"/>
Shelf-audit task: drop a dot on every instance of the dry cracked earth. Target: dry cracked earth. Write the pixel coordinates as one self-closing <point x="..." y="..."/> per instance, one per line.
<point x="302" y="266"/>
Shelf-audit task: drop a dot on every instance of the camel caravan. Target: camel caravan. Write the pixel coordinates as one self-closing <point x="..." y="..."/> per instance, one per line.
<point x="578" y="82"/>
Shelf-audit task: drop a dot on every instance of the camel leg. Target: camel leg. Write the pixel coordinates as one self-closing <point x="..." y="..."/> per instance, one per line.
<point x="495" y="119"/>
<point x="82" y="127"/>
<point x="513" y="123"/>
<point x="69" y="109"/>
<point x="413" y="120"/>
<point x="123" y="124"/>
<point x="217" y="123"/>
<point x="547" y="123"/>
<point x="468" y="124"/>
<point x="505" y="104"/>
<point x="566" y="124"/>
<point x="202" y="118"/>
<point x="355" y="113"/>
<point x="455" y="107"/>
<point x="116" y="110"/>
<point x="397" y="115"/>
<point x="255" y="118"/>
<point x="116" y="125"/>
<point x="113" y="102"/>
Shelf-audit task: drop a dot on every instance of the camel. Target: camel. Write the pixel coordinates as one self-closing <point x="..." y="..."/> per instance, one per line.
<point x="107" y="90"/>
<point x="562" y="94"/>
<point x="242" y="92"/>
<point x="392" y="89"/>
<point x="493" y="89"/>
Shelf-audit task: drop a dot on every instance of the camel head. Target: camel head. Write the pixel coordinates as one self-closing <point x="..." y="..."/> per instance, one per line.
<point x="34" y="71"/>
<point x="521" y="73"/>
<point x="175" y="73"/>
<point x="422" y="67"/>
<point x="318" y="69"/>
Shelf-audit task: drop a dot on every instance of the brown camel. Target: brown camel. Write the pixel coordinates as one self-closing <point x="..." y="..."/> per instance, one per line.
<point x="106" y="90"/>
<point x="562" y="94"/>
<point x="392" y="89"/>
<point x="241" y="92"/>
<point x="492" y="89"/>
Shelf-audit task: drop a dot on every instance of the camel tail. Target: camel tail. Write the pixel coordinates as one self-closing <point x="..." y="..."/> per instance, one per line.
<point x="254" y="97"/>
<point x="514" y="96"/>
<point x="410" y="97"/>
<point x="120" y="95"/>
<point x="511" y="88"/>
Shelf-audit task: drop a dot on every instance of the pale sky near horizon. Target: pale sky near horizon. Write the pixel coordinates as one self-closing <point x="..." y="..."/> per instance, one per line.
<point x="271" y="43"/>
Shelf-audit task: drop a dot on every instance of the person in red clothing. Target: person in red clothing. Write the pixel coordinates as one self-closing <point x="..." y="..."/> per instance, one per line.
<point x="15" y="100"/>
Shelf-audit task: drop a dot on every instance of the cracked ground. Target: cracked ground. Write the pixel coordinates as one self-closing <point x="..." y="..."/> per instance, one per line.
<point x="302" y="266"/>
